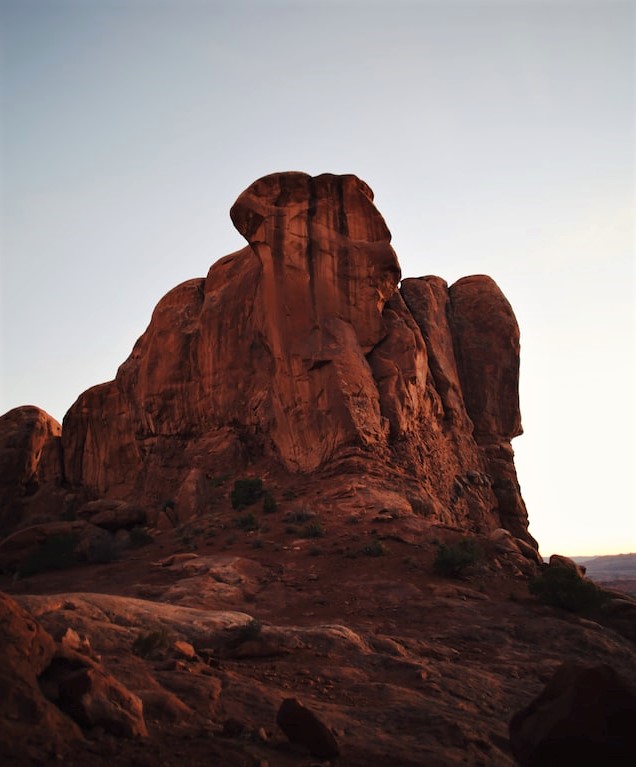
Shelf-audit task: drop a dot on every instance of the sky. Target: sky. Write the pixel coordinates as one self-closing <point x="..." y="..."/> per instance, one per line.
<point x="498" y="137"/>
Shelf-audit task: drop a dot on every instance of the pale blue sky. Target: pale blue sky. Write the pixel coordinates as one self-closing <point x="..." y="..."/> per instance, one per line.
<point x="498" y="138"/>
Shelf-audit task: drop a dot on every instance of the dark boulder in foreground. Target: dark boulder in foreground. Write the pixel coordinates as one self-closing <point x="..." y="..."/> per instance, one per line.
<point x="585" y="717"/>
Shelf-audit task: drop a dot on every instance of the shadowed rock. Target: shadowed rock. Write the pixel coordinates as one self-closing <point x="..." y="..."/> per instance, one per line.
<point x="302" y="726"/>
<point x="585" y="717"/>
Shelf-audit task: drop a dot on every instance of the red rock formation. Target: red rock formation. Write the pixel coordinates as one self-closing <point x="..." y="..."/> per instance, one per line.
<point x="30" y="461"/>
<point x="29" y="723"/>
<point x="300" y="351"/>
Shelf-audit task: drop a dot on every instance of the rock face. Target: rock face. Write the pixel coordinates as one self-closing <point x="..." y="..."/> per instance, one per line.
<point x="30" y="463"/>
<point x="27" y="719"/>
<point x="584" y="716"/>
<point x="302" y="726"/>
<point x="301" y="352"/>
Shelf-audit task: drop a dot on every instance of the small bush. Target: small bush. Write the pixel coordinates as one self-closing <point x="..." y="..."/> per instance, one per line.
<point x="55" y="553"/>
<point x="269" y="504"/>
<point x="453" y="559"/>
<point x="247" y="522"/>
<point x="220" y="480"/>
<point x="258" y="543"/>
<point x="152" y="644"/>
<point x="247" y="633"/>
<point x="140" y="537"/>
<point x="312" y="530"/>
<point x="246" y="492"/>
<point x="564" y="588"/>
<point x="289" y="494"/>
<point x="298" y="517"/>
<point x="374" y="548"/>
<point x="104" y="549"/>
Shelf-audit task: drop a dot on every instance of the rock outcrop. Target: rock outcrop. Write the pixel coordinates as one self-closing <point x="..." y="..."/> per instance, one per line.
<point x="584" y="716"/>
<point x="301" y="351"/>
<point x="30" y="464"/>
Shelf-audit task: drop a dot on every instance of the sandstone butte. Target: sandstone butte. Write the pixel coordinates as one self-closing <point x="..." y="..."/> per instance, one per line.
<point x="145" y="620"/>
<point x="302" y="353"/>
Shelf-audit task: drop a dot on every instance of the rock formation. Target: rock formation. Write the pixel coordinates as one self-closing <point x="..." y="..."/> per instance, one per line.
<point x="301" y="352"/>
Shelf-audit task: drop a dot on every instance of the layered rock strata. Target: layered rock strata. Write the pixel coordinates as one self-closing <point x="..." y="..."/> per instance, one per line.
<point x="302" y="351"/>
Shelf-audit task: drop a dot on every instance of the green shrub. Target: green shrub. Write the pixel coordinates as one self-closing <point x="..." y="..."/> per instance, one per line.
<point x="247" y="522"/>
<point x="140" y="537"/>
<point x="564" y="588"/>
<point x="298" y="517"/>
<point x="246" y="492"/>
<point x="453" y="559"/>
<point x="55" y="553"/>
<point x="312" y="530"/>
<point x="103" y="549"/>
<point x="374" y="548"/>
<point x="152" y="644"/>
<point x="246" y="633"/>
<point x="269" y="504"/>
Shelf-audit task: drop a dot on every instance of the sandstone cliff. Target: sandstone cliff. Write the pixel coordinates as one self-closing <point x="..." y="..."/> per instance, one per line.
<point x="302" y="353"/>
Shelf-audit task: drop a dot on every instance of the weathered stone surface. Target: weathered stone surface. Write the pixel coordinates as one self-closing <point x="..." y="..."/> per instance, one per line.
<point x="95" y="698"/>
<point x="28" y="721"/>
<point x="112" y="515"/>
<point x="302" y="726"/>
<point x="30" y="459"/>
<point x="25" y="550"/>
<point x="584" y="716"/>
<point x="299" y="351"/>
<point x="558" y="560"/>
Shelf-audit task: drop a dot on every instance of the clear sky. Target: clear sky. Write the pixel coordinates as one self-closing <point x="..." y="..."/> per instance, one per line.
<point x="498" y="137"/>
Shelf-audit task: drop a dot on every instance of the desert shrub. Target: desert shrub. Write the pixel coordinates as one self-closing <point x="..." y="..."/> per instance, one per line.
<point x="299" y="516"/>
<point x="140" y="537"/>
<point x="246" y="492"/>
<point x="151" y="644"/>
<point x="453" y="559"/>
<point x="258" y="543"/>
<point x="246" y="522"/>
<point x="169" y="509"/>
<point x="103" y="549"/>
<point x="289" y="494"/>
<point x="246" y="633"/>
<point x="219" y="480"/>
<point x="55" y="553"/>
<point x="374" y="548"/>
<point x="564" y="588"/>
<point x="312" y="530"/>
<point x="269" y="504"/>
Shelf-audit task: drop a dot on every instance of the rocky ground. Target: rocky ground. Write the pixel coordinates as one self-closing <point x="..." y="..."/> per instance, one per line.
<point x="402" y="665"/>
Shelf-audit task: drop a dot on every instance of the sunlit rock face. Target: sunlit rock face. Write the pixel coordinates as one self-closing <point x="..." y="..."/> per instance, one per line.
<point x="30" y="463"/>
<point x="302" y="352"/>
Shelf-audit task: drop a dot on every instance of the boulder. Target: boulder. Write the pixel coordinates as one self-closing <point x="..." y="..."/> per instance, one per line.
<point x="30" y="725"/>
<point x="302" y="726"/>
<point x="557" y="560"/>
<point x="94" y="698"/>
<point x="584" y="716"/>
